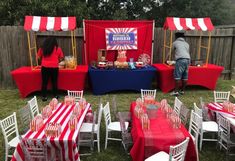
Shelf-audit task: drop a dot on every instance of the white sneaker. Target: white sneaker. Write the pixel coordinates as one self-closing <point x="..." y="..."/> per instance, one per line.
<point x="174" y="93"/>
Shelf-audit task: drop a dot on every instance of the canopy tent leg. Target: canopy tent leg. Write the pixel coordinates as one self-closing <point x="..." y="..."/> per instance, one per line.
<point x="84" y="39"/>
<point x="152" y="42"/>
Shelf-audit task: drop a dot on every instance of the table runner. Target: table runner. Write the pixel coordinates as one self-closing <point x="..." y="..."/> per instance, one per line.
<point x="66" y="141"/>
<point x="219" y="107"/>
<point x="160" y="137"/>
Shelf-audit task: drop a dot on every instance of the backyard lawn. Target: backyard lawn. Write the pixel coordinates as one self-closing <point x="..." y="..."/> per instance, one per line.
<point x="10" y="102"/>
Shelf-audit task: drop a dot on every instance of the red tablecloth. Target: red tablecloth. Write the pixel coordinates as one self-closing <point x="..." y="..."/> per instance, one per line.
<point x="159" y="138"/>
<point x="67" y="139"/>
<point x="205" y="76"/>
<point x="28" y="80"/>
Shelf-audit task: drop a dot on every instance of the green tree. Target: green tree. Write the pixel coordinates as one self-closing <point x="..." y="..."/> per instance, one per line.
<point x="12" y="12"/>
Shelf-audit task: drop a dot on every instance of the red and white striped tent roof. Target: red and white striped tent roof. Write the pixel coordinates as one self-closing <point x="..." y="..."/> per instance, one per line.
<point x="38" y="23"/>
<point x="176" y="23"/>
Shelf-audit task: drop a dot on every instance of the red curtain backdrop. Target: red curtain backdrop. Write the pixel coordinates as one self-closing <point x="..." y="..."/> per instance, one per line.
<point x="95" y="38"/>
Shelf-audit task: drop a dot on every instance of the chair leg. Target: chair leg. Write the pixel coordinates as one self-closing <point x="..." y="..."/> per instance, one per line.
<point x="196" y="146"/>
<point x="106" y="140"/>
<point x="201" y="138"/>
<point x="6" y="153"/>
<point x="98" y="142"/>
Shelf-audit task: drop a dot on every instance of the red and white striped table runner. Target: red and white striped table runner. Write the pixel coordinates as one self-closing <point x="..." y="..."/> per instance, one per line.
<point x="219" y="107"/>
<point x="67" y="139"/>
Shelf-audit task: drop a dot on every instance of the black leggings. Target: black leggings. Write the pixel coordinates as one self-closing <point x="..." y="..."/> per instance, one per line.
<point x="48" y="73"/>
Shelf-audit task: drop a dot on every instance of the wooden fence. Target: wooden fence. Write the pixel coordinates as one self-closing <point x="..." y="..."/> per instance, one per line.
<point x="14" y="49"/>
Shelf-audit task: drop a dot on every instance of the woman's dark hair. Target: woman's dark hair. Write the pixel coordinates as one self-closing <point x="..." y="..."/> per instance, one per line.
<point x="48" y="46"/>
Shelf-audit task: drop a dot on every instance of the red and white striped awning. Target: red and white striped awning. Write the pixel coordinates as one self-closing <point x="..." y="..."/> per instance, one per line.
<point x="38" y="23"/>
<point x="176" y="23"/>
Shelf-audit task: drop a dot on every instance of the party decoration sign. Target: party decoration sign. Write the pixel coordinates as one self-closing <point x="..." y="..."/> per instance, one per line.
<point x="121" y="38"/>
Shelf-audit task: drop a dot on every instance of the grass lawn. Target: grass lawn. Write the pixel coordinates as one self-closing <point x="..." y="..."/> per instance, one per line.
<point x="10" y="102"/>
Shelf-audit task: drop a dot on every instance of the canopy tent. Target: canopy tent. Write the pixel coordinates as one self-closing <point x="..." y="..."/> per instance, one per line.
<point x="95" y="38"/>
<point x="40" y="24"/>
<point x="176" y="23"/>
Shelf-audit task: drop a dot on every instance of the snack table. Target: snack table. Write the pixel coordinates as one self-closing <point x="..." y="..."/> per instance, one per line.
<point x="205" y="76"/>
<point x="158" y="138"/>
<point x="107" y="80"/>
<point x="28" y="80"/>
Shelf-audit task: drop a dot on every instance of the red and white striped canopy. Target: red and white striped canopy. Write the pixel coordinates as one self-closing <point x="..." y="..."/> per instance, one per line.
<point x="38" y="23"/>
<point x="176" y="23"/>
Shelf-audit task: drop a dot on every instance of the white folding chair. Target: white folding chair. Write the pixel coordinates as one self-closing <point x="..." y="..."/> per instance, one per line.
<point x="25" y="117"/>
<point x="177" y="106"/>
<point x="111" y="126"/>
<point x="35" y="149"/>
<point x="226" y="138"/>
<point x="10" y="133"/>
<point x="177" y="153"/>
<point x="184" y="114"/>
<point x="207" y="127"/>
<point x="194" y="129"/>
<point x="220" y="96"/>
<point x="93" y="128"/>
<point x="126" y="115"/>
<point x="33" y="105"/>
<point x="126" y="136"/>
<point x="76" y="94"/>
<point x="147" y="92"/>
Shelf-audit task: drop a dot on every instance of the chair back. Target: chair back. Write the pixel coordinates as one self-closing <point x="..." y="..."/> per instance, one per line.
<point x="76" y="94"/>
<point x="195" y="125"/>
<point x="34" y="149"/>
<point x="122" y="123"/>
<point x="33" y="105"/>
<point x="114" y="106"/>
<point x="224" y="131"/>
<point x="25" y="116"/>
<point x="146" y="92"/>
<point x="9" y="128"/>
<point x="177" y="105"/>
<point x="126" y="136"/>
<point x="220" y="96"/>
<point x="99" y="116"/>
<point x="178" y="151"/>
<point x="197" y="109"/>
<point x="107" y="115"/>
<point x="184" y="114"/>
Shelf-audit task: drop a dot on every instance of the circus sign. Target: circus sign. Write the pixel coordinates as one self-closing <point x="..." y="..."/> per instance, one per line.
<point x="121" y="38"/>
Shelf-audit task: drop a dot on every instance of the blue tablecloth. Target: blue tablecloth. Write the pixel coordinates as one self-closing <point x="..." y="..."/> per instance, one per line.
<point x="107" y="80"/>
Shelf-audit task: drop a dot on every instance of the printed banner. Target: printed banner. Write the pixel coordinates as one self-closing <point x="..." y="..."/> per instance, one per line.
<point x="121" y="38"/>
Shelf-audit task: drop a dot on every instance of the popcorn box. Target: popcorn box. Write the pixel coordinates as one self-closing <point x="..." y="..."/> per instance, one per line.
<point x="163" y="103"/>
<point x="53" y="103"/>
<point x="175" y="121"/>
<point x="228" y="106"/>
<point x="36" y="123"/>
<point x="53" y="130"/>
<point x="46" y="112"/>
<point x="149" y="100"/>
<point x="69" y="100"/>
<point x="73" y="122"/>
<point x="82" y="103"/>
<point x="139" y="102"/>
<point x="145" y="122"/>
<point x="76" y="110"/>
<point x="139" y="111"/>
